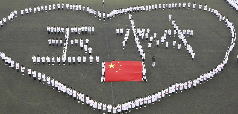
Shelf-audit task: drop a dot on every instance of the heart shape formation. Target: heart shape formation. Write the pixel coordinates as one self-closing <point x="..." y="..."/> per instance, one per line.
<point x="138" y="102"/>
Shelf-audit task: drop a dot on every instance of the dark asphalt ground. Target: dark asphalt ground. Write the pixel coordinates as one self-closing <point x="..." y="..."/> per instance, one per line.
<point x="27" y="36"/>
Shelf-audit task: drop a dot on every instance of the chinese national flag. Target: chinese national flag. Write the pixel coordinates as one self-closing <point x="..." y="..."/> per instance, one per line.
<point x="123" y="71"/>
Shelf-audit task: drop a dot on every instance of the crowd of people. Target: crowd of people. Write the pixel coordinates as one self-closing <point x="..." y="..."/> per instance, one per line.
<point x="139" y="47"/>
<point x="182" y="34"/>
<point x="138" y="102"/>
<point x="233" y="3"/>
<point x="65" y="43"/>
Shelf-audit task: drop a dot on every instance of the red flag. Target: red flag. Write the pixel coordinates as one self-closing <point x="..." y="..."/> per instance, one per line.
<point x="123" y="71"/>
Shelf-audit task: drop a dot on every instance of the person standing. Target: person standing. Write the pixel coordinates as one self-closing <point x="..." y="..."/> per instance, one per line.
<point x="34" y="59"/>
<point x="1" y="23"/>
<point x="170" y="90"/>
<point x="237" y="59"/>
<point x="17" y="66"/>
<point x="71" y="92"/>
<point x="195" y="83"/>
<point x="114" y="110"/>
<point x="153" y="61"/>
<point x="58" y="60"/>
<point x="53" y="83"/>
<point x="73" y="59"/>
<point x="149" y="44"/>
<point x="78" y="96"/>
<point x="123" y="44"/>
<point x="167" y="44"/>
<point x="48" y="80"/>
<point x="84" y="59"/>
<point x="57" y="41"/>
<point x="95" y="105"/>
<point x="48" y="60"/>
<point x="194" y="6"/>
<point x="22" y="12"/>
<point x="72" y="42"/>
<point x="185" y="85"/>
<point x="143" y="56"/>
<point x="62" y="6"/>
<point x="39" y="77"/>
<point x="119" y="108"/>
<point x="191" y="32"/>
<point x="22" y="69"/>
<point x="121" y="31"/>
<point x="34" y="74"/>
<point x="61" y="42"/>
<point x="109" y="108"/>
<point x="90" y="49"/>
<point x="179" y="46"/>
<point x="157" y="42"/>
<point x="103" y="71"/>
<point x="86" y="41"/>
<point x="91" y="59"/>
<point x="79" y="59"/>
<point x="38" y="59"/>
<point x="87" y="100"/>
<point x="117" y="31"/>
<point x="97" y="59"/>
<point x="174" y="44"/>
<point x="53" y="60"/>
<point x="99" y="106"/>
<point x="29" y="71"/>
<point x="53" y="41"/>
<point x="193" y="54"/>
<point x="43" y="59"/>
<point x="12" y="64"/>
<point x="58" y="6"/>
<point x="181" y="87"/>
<point x="81" y="43"/>
<point x="43" y="78"/>
<point x="104" y="107"/>
<point x="63" y="59"/>
<point x="82" y="98"/>
<point x="85" y="48"/>
<point x="76" y="41"/>
<point x="74" y="94"/>
<point x="190" y="83"/>
<point x="69" y="59"/>
<point x="63" y="89"/>
<point x="56" y="84"/>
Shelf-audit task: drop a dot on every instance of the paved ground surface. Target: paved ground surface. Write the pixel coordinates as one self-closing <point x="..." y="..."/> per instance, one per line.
<point x="27" y="36"/>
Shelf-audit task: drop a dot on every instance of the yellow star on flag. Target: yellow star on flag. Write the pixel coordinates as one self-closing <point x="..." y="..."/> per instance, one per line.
<point x="111" y="65"/>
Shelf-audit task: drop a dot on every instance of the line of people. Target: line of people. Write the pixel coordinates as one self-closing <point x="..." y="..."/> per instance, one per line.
<point x="139" y="47"/>
<point x="84" y="29"/>
<point x="233" y="3"/>
<point x="124" y="42"/>
<point x="65" y="47"/>
<point x="152" y="7"/>
<point x="59" y="42"/>
<point x="70" y="59"/>
<point x="61" y="6"/>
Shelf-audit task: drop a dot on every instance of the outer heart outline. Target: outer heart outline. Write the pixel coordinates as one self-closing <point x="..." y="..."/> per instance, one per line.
<point x="229" y="49"/>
